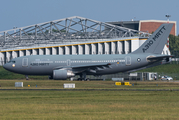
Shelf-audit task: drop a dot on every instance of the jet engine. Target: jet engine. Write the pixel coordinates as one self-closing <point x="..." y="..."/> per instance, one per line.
<point x="62" y="74"/>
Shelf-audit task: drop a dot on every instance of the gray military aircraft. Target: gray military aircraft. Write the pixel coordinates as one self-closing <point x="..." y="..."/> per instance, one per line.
<point x="61" y="67"/>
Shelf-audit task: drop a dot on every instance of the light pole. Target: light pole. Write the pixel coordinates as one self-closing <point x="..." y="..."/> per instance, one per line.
<point x="167" y="17"/>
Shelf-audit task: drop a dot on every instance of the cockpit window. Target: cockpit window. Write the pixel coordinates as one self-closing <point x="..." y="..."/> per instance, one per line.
<point x="12" y="61"/>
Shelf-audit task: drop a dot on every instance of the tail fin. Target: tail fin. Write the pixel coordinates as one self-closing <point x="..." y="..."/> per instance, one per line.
<point x="155" y="43"/>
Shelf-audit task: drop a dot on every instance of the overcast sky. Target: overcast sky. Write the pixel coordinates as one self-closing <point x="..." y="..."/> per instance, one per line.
<point x="20" y="13"/>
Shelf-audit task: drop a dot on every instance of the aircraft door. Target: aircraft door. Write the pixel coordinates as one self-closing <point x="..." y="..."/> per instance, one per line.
<point x="128" y="60"/>
<point x="25" y="62"/>
<point x="68" y="62"/>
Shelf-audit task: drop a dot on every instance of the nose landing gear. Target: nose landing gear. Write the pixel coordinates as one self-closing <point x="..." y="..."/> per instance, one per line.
<point x="26" y="76"/>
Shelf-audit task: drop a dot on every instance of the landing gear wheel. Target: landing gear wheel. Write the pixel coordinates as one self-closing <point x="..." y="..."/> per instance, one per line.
<point x="50" y="77"/>
<point x="83" y="76"/>
<point x="87" y="79"/>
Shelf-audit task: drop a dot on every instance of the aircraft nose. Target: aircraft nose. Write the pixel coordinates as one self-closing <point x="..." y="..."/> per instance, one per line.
<point x="8" y="66"/>
<point x="5" y="66"/>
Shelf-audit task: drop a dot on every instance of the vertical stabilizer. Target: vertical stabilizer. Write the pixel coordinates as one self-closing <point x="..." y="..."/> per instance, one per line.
<point x="155" y="43"/>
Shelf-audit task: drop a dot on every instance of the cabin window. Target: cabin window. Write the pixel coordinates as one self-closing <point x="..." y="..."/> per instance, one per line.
<point x="12" y="62"/>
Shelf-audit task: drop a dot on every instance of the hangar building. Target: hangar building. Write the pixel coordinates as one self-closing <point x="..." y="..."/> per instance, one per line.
<point x="74" y="35"/>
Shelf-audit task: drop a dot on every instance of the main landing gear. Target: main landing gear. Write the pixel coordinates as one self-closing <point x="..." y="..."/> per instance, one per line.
<point x="83" y="77"/>
<point x="50" y="77"/>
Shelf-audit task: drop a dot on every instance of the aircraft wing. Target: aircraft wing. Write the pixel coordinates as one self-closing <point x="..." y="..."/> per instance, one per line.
<point x="88" y="67"/>
<point x="91" y="65"/>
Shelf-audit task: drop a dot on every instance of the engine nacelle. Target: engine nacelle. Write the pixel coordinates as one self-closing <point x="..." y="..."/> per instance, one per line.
<point x="62" y="74"/>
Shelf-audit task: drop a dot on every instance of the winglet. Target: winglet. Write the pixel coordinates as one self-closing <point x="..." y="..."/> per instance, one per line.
<point x="155" y="43"/>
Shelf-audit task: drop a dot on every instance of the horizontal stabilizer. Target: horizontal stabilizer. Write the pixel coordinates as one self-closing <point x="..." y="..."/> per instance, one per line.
<point x="158" y="58"/>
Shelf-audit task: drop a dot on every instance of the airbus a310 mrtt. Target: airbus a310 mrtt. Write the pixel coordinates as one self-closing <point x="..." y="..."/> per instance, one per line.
<point x="61" y="67"/>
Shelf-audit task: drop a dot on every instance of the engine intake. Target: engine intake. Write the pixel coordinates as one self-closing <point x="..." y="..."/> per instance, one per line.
<point x="62" y="74"/>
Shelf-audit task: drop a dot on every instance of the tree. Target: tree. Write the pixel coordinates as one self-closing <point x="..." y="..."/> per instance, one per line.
<point x="174" y="44"/>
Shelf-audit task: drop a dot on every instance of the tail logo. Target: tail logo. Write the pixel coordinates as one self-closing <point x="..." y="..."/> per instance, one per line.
<point x="150" y="43"/>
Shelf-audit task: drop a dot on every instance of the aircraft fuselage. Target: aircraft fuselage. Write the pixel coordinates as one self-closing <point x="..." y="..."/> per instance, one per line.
<point x="45" y="64"/>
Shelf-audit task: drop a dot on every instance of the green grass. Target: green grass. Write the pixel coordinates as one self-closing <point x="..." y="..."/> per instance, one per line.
<point x="89" y="105"/>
